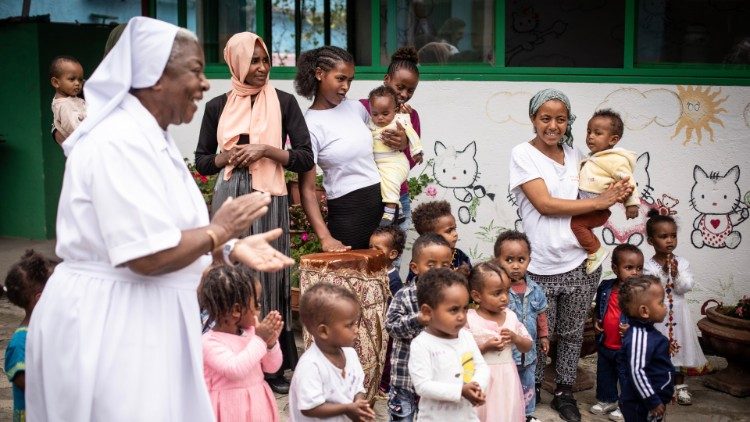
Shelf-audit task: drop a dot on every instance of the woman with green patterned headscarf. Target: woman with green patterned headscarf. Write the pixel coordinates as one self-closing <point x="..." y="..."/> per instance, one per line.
<point x="544" y="179"/>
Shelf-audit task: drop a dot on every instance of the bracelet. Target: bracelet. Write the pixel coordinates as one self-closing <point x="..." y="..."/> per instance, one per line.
<point x="227" y="250"/>
<point x="214" y="239"/>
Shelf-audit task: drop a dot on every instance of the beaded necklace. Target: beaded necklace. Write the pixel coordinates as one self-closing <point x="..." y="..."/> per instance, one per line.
<point x="674" y="347"/>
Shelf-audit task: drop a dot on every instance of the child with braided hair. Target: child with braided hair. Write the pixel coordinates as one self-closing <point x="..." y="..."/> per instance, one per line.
<point x="238" y="349"/>
<point x="342" y="147"/>
<point x="677" y="278"/>
<point x="23" y="285"/>
<point x="648" y="384"/>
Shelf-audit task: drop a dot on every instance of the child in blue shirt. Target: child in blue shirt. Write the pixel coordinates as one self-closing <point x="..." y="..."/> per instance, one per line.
<point x="528" y="301"/>
<point x="23" y="285"/>
<point x="649" y="382"/>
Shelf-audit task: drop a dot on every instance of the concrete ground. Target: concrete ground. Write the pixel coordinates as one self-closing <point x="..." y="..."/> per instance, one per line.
<point x="709" y="405"/>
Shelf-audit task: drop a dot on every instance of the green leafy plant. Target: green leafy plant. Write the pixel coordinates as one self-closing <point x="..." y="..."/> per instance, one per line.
<point x="205" y="183"/>
<point x="417" y="184"/>
<point x="302" y="239"/>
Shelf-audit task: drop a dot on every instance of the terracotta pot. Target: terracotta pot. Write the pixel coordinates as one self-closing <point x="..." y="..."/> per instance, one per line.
<point x="729" y="337"/>
<point x="294" y="301"/>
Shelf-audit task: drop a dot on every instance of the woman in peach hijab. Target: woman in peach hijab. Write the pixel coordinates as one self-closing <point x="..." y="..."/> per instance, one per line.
<point x="242" y="138"/>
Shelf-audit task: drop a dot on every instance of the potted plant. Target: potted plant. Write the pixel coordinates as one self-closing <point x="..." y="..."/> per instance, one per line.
<point x="726" y="330"/>
<point x="292" y="187"/>
<point x="303" y="241"/>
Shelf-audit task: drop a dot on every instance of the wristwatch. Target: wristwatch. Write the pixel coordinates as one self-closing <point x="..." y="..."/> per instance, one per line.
<point x="227" y="250"/>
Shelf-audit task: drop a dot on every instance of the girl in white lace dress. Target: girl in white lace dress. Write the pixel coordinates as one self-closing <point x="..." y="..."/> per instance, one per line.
<point x="677" y="279"/>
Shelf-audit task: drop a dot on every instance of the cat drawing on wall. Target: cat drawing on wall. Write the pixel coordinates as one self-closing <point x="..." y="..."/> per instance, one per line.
<point x="459" y="171"/>
<point x="518" y="224"/>
<point x="618" y="229"/>
<point x="717" y="199"/>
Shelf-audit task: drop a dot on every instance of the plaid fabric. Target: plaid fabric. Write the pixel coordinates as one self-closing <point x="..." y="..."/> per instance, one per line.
<point x="402" y="324"/>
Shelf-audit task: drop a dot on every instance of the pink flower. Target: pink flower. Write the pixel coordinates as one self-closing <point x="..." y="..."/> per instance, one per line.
<point x="431" y="191"/>
<point x="304" y="237"/>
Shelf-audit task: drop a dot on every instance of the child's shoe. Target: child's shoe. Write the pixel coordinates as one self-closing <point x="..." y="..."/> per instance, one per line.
<point x="391" y="217"/>
<point x="595" y="260"/>
<point x="683" y="395"/>
<point x="602" y="408"/>
<point x="532" y="418"/>
<point x="616" y="415"/>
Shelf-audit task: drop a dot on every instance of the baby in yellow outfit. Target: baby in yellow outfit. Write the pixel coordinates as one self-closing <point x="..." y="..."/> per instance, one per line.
<point x="603" y="167"/>
<point x="393" y="165"/>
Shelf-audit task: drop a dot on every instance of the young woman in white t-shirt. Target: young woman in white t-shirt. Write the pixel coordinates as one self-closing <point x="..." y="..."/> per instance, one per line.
<point x="544" y="178"/>
<point x="342" y="146"/>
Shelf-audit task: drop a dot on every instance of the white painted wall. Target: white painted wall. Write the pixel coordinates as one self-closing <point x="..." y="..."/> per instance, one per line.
<point x="666" y="121"/>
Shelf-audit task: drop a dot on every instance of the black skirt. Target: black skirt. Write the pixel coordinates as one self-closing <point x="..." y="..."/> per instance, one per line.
<point x="353" y="217"/>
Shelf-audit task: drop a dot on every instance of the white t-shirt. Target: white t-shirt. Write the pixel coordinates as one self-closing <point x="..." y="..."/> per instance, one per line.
<point x="554" y="248"/>
<point x="316" y="381"/>
<point x="342" y="146"/>
<point x="439" y="368"/>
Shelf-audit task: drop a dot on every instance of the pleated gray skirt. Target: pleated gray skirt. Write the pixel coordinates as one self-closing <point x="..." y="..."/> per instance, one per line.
<point x="276" y="293"/>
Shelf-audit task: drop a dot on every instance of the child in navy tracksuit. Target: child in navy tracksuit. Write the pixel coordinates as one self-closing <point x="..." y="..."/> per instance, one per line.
<point x="610" y="323"/>
<point x="648" y="385"/>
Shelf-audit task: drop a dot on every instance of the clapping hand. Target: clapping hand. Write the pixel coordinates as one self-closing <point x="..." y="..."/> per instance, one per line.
<point x="670" y="267"/>
<point x="270" y="328"/>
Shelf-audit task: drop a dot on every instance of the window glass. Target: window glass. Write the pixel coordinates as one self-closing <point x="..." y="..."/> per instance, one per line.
<point x="567" y="33"/>
<point x="442" y="31"/>
<point x="693" y="31"/>
<point x="76" y="11"/>
<point x="321" y="22"/>
<point x="168" y="11"/>
<point x="217" y="21"/>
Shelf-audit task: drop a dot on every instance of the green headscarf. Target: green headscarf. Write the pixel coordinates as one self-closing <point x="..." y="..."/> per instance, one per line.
<point x="545" y="95"/>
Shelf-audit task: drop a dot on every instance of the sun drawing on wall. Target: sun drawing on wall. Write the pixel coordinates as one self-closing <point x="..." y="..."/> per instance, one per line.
<point x="699" y="110"/>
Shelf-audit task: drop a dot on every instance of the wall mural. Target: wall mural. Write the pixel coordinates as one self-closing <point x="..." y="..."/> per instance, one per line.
<point x="720" y="207"/>
<point x="700" y="108"/>
<point x="618" y="229"/>
<point x="458" y="170"/>
<point x="639" y="109"/>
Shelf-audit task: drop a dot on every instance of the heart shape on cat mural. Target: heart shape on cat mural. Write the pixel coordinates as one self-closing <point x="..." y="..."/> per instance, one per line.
<point x="715" y="222"/>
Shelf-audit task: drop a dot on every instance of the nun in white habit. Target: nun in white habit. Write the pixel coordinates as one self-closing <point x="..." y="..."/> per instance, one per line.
<point x="116" y="333"/>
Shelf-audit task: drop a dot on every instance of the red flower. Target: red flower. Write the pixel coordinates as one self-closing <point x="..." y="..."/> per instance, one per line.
<point x="203" y="178"/>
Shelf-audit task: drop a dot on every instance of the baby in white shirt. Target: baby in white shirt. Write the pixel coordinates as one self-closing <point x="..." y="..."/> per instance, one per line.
<point x="328" y="382"/>
<point x="68" y="110"/>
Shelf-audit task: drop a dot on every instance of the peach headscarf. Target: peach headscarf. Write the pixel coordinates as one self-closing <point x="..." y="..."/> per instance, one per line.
<point x="261" y="120"/>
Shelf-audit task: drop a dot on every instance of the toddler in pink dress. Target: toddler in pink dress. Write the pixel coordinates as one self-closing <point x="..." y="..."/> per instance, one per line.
<point x="239" y="348"/>
<point x="496" y="329"/>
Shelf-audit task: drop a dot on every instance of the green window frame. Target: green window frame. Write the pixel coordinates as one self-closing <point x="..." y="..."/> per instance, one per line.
<point x="675" y="73"/>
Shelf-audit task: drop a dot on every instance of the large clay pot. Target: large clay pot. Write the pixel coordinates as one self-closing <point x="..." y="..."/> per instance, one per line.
<point x="729" y="337"/>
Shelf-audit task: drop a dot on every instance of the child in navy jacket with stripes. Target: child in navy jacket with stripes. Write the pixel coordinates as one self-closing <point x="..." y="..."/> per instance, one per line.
<point x="648" y="385"/>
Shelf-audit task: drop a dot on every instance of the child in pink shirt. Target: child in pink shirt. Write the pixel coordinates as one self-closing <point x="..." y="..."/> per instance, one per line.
<point x="239" y="348"/>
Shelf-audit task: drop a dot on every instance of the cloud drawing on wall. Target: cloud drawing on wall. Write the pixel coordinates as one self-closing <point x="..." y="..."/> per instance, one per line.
<point x="641" y="108"/>
<point x="503" y="107"/>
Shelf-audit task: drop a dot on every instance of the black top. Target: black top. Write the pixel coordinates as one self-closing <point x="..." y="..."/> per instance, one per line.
<point x="292" y="124"/>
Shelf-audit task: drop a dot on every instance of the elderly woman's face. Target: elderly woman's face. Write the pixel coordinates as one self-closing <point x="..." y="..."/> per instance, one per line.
<point x="260" y="64"/>
<point x="550" y="122"/>
<point x="184" y="82"/>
